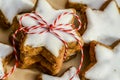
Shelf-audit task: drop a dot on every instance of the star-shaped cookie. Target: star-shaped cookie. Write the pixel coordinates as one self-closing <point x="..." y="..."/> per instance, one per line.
<point x="105" y="61"/>
<point x="10" y="8"/>
<point x="67" y="75"/>
<point x="103" y="26"/>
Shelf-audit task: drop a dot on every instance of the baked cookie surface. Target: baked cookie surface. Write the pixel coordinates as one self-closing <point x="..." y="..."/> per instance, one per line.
<point x="103" y="26"/>
<point x="10" y="8"/>
<point x="104" y="62"/>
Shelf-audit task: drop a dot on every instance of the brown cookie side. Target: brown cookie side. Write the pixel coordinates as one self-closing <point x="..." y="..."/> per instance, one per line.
<point x="77" y="6"/>
<point x="4" y="24"/>
<point x="81" y="8"/>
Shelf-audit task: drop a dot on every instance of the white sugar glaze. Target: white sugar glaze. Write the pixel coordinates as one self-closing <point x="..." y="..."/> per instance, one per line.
<point x="118" y="2"/>
<point x="10" y="8"/>
<point x="107" y="66"/>
<point x="103" y="26"/>
<point x="5" y="50"/>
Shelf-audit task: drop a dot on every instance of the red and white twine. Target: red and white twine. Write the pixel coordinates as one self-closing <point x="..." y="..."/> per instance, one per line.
<point x="49" y="28"/>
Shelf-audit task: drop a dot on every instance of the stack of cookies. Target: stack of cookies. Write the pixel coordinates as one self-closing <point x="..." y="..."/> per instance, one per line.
<point x="44" y="37"/>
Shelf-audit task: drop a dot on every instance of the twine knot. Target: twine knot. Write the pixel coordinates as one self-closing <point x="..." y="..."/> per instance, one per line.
<point x="50" y="28"/>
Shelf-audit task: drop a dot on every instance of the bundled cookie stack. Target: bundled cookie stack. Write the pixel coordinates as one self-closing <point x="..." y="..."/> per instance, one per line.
<point x="44" y="38"/>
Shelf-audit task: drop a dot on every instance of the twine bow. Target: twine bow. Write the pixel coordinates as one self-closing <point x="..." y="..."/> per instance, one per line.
<point x="42" y="24"/>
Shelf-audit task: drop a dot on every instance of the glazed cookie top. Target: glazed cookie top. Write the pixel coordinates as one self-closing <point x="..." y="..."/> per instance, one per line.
<point x="95" y="4"/>
<point x="48" y="40"/>
<point x="107" y="66"/>
<point x="67" y="75"/>
<point x="103" y="26"/>
<point x="5" y="50"/>
<point x="10" y="8"/>
<point x="118" y="2"/>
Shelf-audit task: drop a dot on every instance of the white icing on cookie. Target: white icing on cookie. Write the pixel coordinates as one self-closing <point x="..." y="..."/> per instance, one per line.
<point x="67" y="75"/>
<point x="107" y="66"/>
<point x="10" y="8"/>
<point x="118" y="2"/>
<point x="48" y="40"/>
<point x="5" y="50"/>
<point x="1" y="68"/>
<point x="103" y="26"/>
<point x="95" y="4"/>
